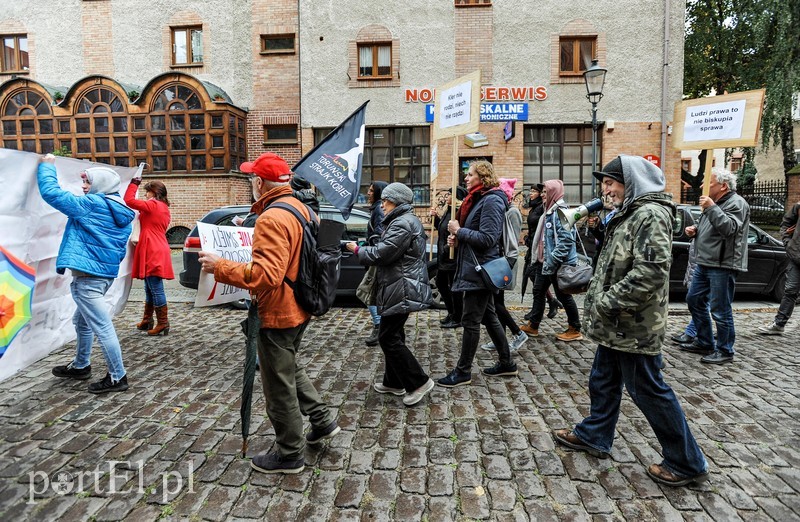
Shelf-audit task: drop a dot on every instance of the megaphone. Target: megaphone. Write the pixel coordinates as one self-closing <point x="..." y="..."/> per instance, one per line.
<point x="569" y="217"/>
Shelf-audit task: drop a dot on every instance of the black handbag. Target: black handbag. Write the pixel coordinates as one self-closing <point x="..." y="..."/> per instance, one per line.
<point x="575" y="279"/>
<point x="496" y="274"/>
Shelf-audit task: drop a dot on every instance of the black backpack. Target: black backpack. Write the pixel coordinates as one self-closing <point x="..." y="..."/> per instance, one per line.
<point x="318" y="276"/>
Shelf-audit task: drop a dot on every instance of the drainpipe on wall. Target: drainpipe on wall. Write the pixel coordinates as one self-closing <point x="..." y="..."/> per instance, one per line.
<point x="664" y="88"/>
<point x="299" y="82"/>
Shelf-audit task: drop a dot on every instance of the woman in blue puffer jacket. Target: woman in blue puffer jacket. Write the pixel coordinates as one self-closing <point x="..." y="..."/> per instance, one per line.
<point x="94" y="244"/>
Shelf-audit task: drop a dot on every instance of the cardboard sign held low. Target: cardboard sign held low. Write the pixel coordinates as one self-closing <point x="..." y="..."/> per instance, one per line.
<point x="234" y="243"/>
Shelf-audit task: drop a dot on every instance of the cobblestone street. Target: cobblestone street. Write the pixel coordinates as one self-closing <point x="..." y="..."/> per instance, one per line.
<point x="476" y="452"/>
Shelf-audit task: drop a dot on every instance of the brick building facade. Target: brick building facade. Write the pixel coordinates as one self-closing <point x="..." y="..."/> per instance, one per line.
<point x="193" y="88"/>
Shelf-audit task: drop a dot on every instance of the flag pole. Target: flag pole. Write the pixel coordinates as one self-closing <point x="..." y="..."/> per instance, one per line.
<point x="453" y="189"/>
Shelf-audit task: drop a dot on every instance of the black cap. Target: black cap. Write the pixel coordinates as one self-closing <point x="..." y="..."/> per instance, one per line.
<point x="537" y="186"/>
<point x="613" y="170"/>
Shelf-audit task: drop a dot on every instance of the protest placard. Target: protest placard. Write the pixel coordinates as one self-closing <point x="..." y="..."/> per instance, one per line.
<point x="233" y="243"/>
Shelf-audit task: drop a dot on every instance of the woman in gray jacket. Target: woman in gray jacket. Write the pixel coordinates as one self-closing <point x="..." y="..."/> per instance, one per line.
<point x="401" y="288"/>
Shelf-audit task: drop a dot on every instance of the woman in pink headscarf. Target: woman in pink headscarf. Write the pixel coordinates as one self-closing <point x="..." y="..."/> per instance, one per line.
<point x="553" y="246"/>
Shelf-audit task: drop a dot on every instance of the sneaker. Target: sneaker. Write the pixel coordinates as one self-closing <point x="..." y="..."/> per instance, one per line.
<point x="530" y="330"/>
<point x="414" y="397"/>
<point x="487" y="346"/>
<point x="571" y="334"/>
<point x="772" y="329"/>
<point x="454" y="378"/>
<point x="317" y="435"/>
<point x="108" y="385"/>
<point x="500" y="369"/>
<point x="380" y="388"/>
<point x="272" y="462"/>
<point x="570" y="440"/>
<point x="518" y="341"/>
<point x="70" y="372"/>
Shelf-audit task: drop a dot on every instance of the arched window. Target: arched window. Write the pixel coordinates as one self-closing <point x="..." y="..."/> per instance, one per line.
<point x="178" y="131"/>
<point x="101" y="127"/>
<point x="27" y="122"/>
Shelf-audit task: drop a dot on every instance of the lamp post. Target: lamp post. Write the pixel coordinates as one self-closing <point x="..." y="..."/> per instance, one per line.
<point x="595" y="79"/>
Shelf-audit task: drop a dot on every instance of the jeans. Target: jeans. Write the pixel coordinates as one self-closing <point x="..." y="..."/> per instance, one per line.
<point x="288" y="391"/>
<point x="789" y="295"/>
<point x="479" y="308"/>
<point x="641" y="376"/>
<point x="92" y="319"/>
<point x="373" y="312"/>
<point x="402" y="368"/>
<point x="540" y="287"/>
<point x="453" y="301"/>
<point x="713" y="287"/>
<point x="154" y="291"/>
<point x="691" y="329"/>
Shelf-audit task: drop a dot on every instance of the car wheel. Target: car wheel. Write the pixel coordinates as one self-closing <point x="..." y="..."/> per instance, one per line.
<point x="779" y="287"/>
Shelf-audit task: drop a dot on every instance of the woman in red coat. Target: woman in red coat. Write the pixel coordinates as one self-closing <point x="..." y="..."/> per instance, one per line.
<point x="152" y="260"/>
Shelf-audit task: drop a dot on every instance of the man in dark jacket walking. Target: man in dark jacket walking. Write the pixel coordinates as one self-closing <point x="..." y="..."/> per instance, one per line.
<point x="721" y="252"/>
<point x="791" y="240"/>
<point x="626" y="313"/>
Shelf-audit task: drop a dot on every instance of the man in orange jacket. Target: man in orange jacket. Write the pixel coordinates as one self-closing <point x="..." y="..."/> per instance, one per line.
<point x="277" y="240"/>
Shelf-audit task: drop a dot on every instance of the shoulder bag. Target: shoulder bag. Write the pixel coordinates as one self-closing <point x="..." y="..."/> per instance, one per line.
<point x="575" y="279"/>
<point x="496" y="274"/>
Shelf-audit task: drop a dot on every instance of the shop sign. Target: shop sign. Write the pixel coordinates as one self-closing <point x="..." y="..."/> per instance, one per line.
<point x="493" y="112"/>
<point x="652" y="158"/>
<point x="488" y="94"/>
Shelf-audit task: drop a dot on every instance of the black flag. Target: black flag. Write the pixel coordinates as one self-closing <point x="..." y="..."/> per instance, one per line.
<point x="334" y="165"/>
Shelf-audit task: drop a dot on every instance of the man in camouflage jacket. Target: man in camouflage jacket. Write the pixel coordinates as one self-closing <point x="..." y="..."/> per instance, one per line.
<point x="626" y="313"/>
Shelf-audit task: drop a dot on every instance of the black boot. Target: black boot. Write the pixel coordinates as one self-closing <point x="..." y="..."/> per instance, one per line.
<point x="555" y="304"/>
<point x="372" y="340"/>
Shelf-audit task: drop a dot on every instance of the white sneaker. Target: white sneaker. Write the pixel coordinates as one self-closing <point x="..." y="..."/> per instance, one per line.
<point x="380" y="388"/>
<point x="487" y="346"/>
<point x="518" y="341"/>
<point x="772" y="329"/>
<point x="414" y="397"/>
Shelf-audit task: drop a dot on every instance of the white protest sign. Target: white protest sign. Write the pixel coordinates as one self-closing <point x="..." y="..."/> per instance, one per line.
<point x="233" y="243"/>
<point x="457" y="107"/>
<point x="715" y="121"/>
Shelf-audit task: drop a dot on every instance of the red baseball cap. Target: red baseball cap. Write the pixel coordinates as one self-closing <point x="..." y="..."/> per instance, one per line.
<point x="268" y="166"/>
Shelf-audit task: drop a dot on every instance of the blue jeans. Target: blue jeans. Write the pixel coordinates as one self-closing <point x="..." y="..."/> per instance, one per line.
<point x="713" y="287"/>
<point x="373" y="311"/>
<point x="154" y="291"/>
<point x="92" y="318"/>
<point x="642" y="377"/>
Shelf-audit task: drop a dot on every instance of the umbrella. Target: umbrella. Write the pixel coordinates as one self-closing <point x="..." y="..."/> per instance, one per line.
<point x="16" y="292"/>
<point x="250" y="327"/>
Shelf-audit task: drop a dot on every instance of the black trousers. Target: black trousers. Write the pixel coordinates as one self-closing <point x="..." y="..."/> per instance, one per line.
<point x="453" y="301"/>
<point x="540" y="287"/>
<point x="503" y="315"/>
<point x="479" y="308"/>
<point x="402" y="368"/>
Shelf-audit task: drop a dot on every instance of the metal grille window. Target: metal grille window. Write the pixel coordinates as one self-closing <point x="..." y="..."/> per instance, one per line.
<point x="27" y="123"/>
<point x="395" y="154"/>
<point x="560" y="152"/>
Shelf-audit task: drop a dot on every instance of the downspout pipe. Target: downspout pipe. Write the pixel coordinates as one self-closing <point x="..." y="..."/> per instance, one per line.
<point x="665" y="88"/>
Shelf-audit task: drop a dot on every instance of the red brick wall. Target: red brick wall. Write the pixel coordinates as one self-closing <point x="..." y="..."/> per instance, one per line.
<point x="474" y="34"/>
<point x="98" y="53"/>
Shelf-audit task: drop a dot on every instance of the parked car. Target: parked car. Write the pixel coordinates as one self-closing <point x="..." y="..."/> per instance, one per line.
<point x="351" y="270"/>
<point x="766" y="274"/>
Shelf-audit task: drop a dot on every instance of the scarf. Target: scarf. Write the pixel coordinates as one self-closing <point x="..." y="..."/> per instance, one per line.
<point x="555" y="191"/>
<point x="469" y="201"/>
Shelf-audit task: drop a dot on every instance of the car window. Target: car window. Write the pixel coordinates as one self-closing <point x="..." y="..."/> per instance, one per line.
<point x="678" y="225"/>
<point x="355" y="225"/>
<point x="752" y="236"/>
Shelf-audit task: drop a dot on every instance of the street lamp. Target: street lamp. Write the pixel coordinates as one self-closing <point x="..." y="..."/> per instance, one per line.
<point x="595" y="78"/>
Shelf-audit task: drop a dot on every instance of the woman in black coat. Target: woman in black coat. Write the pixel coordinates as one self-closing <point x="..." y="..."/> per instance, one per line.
<point x="446" y="267"/>
<point x="476" y="234"/>
<point x="401" y="288"/>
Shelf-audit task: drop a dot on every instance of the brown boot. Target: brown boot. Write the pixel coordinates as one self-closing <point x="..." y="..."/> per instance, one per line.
<point x="147" y="320"/>
<point x="163" y="322"/>
<point x="530" y="330"/>
<point x="571" y="334"/>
